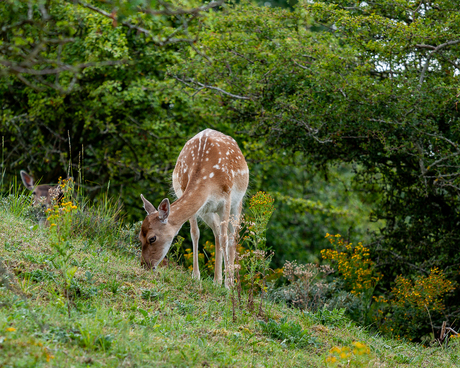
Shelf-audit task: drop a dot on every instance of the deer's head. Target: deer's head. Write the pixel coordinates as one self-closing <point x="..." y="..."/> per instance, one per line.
<point x="156" y="233"/>
<point x="42" y="194"/>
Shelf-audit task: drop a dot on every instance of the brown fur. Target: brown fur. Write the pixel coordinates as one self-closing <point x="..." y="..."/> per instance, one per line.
<point x="43" y="194"/>
<point x="210" y="179"/>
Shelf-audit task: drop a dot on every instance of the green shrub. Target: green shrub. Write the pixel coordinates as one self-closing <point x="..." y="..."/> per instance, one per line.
<point x="290" y="333"/>
<point x="334" y="317"/>
<point x="152" y="295"/>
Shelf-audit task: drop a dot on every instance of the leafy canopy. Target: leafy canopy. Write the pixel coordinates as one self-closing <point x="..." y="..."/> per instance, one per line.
<point x="373" y="84"/>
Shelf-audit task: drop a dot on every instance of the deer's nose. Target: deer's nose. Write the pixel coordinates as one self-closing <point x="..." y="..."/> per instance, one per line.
<point x="147" y="265"/>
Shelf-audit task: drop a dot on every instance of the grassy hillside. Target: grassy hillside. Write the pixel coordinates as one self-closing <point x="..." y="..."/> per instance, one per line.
<point x="120" y="315"/>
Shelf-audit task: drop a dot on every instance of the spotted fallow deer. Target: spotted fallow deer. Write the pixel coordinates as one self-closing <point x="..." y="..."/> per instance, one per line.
<point x="42" y="194"/>
<point x="210" y="180"/>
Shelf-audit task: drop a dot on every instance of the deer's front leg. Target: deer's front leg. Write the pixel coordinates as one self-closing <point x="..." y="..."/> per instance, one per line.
<point x="195" y="232"/>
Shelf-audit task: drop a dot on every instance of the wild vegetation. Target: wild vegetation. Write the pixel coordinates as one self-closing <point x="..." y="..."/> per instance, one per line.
<point x="73" y="299"/>
<point x="346" y="113"/>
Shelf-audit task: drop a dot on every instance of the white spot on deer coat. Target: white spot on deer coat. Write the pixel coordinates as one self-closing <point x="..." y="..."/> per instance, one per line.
<point x="211" y="175"/>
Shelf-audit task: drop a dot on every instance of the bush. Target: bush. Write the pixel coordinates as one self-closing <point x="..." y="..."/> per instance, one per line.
<point x="306" y="289"/>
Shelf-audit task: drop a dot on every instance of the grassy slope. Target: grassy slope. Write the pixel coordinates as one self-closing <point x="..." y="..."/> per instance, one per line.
<point x="188" y="322"/>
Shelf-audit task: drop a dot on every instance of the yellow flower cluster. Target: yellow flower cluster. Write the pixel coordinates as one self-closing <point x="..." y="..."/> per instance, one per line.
<point x="353" y="264"/>
<point x="262" y="202"/>
<point x="57" y="212"/>
<point x="189" y="258"/>
<point x="260" y="209"/>
<point x="210" y="249"/>
<point x="66" y="183"/>
<point x="45" y="351"/>
<point x="207" y="261"/>
<point x="424" y="292"/>
<point x="347" y="354"/>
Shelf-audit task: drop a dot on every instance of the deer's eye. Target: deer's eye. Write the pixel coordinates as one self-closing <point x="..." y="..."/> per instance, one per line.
<point x="152" y="239"/>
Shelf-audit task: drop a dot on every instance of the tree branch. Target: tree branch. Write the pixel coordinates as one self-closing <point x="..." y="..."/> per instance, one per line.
<point x="18" y="69"/>
<point x="189" y="82"/>
<point x="168" y="11"/>
<point x="178" y="11"/>
<point x="430" y="55"/>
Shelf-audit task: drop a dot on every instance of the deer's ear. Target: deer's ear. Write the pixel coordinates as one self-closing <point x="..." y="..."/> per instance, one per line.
<point x="148" y="206"/>
<point x="27" y="180"/>
<point x="163" y="210"/>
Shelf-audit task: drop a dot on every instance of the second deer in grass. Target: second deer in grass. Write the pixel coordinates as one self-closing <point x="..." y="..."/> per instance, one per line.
<point x="210" y="180"/>
<point x="43" y="194"/>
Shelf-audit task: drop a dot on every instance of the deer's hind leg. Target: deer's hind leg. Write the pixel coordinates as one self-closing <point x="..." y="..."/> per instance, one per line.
<point x="224" y="244"/>
<point x="195" y="233"/>
<point x="234" y="226"/>
<point x="213" y="221"/>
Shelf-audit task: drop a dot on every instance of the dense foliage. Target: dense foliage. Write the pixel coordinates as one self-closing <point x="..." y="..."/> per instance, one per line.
<point x="373" y="84"/>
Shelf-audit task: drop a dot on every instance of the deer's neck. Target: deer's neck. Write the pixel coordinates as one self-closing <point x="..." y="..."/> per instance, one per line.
<point x="185" y="207"/>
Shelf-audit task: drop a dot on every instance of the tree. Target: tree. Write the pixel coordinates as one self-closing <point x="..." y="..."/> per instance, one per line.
<point x="35" y="34"/>
<point x="374" y="85"/>
<point x="121" y="122"/>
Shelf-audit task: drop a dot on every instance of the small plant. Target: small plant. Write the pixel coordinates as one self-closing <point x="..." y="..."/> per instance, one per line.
<point x="306" y="287"/>
<point x="90" y="337"/>
<point x="149" y="319"/>
<point x="113" y="285"/>
<point x="356" y="356"/>
<point x="18" y="204"/>
<point x="183" y="308"/>
<point x="254" y="262"/>
<point x="289" y="333"/>
<point x="152" y="295"/>
<point x="176" y="251"/>
<point x="260" y="210"/>
<point x="60" y="227"/>
<point x="324" y="316"/>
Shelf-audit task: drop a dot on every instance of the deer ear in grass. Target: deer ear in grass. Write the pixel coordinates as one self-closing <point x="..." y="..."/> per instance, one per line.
<point x="27" y="180"/>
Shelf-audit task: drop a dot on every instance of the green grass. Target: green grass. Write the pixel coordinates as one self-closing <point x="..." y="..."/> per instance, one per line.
<point x="124" y="316"/>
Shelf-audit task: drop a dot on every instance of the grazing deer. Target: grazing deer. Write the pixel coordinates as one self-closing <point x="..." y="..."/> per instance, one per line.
<point x="43" y="194"/>
<point x="210" y="180"/>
